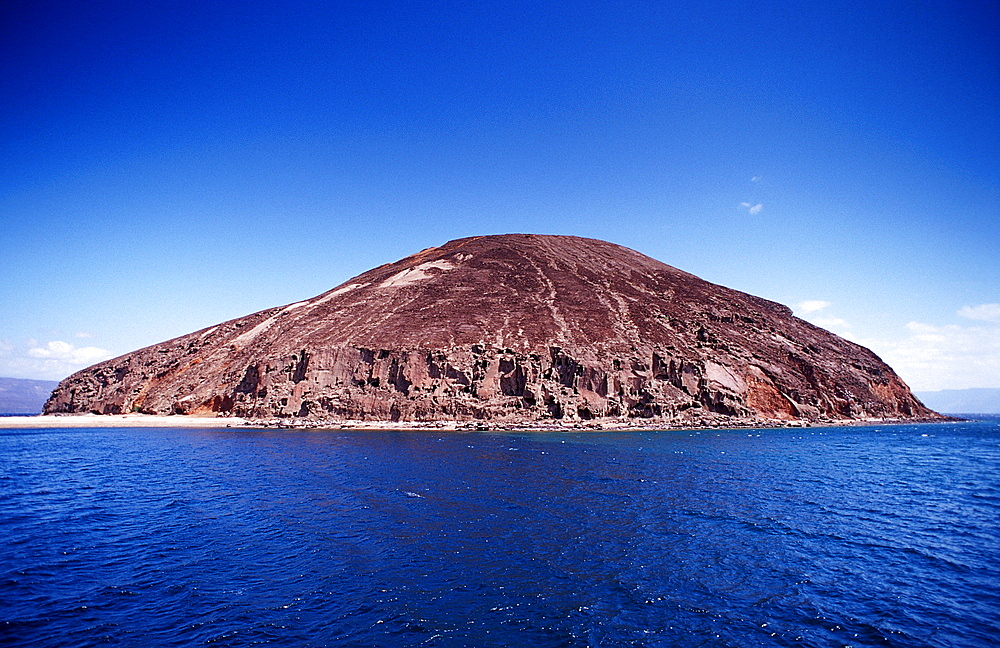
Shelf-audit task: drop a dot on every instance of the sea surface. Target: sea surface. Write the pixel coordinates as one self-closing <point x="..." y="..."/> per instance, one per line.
<point x="861" y="536"/>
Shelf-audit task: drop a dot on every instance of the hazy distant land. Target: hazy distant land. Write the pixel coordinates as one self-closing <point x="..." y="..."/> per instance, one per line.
<point x="984" y="400"/>
<point x="21" y="396"/>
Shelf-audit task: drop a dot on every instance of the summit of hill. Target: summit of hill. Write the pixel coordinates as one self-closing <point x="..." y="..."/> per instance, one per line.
<point x="516" y="328"/>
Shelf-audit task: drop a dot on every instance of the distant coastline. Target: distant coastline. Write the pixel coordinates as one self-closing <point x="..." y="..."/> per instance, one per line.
<point x="981" y="400"/>
<point x="24" y="396"/>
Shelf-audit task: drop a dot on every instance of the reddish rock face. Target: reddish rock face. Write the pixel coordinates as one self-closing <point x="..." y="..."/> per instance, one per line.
<point x="514" y="328"/>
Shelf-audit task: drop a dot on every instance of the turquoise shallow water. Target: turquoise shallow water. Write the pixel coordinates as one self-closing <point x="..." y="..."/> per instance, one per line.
<point x="870" y="536"/>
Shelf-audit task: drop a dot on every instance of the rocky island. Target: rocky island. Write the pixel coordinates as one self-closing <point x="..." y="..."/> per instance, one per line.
<point x="512" y="329"/>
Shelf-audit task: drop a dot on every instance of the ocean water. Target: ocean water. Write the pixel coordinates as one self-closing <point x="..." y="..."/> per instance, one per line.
<point x="865" y="536"/>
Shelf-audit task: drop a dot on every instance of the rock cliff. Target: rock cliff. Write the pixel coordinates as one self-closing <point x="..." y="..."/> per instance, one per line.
<point x="514" y="328"/>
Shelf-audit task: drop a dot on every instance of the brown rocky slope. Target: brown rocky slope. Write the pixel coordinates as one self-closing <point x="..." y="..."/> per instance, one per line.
<point x="515" y="328"/>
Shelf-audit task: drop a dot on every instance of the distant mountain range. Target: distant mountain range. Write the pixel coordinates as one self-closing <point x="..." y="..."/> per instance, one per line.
<point x="962" y="401"/>
<point x="19" y="396"/>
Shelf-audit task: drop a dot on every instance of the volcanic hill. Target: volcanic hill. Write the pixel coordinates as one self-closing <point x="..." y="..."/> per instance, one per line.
<point x="515" y="328"/>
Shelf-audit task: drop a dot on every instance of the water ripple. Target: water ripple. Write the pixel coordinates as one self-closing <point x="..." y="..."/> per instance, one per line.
<point x="838" y="537"/>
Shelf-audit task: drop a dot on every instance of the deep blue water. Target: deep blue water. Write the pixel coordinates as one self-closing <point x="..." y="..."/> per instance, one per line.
<point x="875" y="536"/>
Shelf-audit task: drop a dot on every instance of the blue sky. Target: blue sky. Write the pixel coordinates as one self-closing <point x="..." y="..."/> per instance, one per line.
<point x="169" y="165"/>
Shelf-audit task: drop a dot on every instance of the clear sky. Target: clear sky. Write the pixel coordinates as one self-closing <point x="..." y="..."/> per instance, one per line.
<point x="169" y="165"/>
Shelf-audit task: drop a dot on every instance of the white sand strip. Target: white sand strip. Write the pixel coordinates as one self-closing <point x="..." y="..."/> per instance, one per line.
<point x="116" y="420"/>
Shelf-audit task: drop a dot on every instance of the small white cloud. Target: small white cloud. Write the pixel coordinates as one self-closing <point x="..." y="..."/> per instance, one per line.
<point x="752" y="209"/>
<point x="69" y="354"/>
<point x="983" y="312"/>
<point x="52" y="361"/>
<point x="832" y="323"/>
<point x="756" y="179"/>
<point x="919" y="329"/>
<point x="84" y="334"/>
<point x="933" y="357"/>
<point x="811" y="310"/>
<point x="812" y="305"/>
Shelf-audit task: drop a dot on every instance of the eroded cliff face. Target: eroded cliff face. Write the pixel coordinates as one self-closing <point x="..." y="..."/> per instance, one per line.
<point x="513" y="328"/>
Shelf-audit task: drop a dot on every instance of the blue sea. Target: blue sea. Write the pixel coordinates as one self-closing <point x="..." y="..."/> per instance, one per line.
<point x="859" y="536"/>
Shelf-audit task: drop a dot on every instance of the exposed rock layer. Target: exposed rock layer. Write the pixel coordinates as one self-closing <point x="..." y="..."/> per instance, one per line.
<point x="513" y="328"/>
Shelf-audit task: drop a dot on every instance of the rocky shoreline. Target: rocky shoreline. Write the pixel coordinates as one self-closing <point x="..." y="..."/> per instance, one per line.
<point x="623" y="425"/>
<point x="616" y="425"/>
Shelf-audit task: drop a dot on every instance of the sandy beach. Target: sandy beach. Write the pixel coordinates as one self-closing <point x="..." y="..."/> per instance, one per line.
<point x="147" y="420"/>
<point x="116" y="420"/>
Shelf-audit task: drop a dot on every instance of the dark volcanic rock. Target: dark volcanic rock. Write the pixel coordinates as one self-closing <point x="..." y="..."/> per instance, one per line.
<point x="513" y="328"/>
